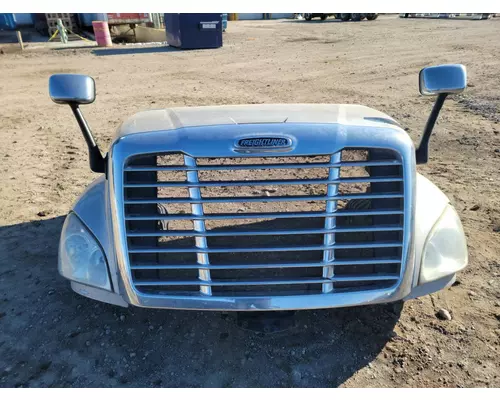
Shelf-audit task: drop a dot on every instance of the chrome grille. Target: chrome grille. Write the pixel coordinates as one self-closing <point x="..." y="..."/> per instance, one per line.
<point x="264" y="225"/>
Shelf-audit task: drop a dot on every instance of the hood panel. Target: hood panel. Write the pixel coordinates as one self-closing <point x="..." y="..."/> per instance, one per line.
<point x="183" y="117"/>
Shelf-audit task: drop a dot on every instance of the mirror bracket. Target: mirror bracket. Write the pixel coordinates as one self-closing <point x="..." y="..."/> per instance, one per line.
<point x="96" y="160"/>
<point x="422" y="153"/>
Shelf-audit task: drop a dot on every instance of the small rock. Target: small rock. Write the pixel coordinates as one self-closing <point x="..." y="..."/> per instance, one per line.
<point x="122" y="317"/>
<point x="151" y="327"/>
<point x="471" y="293"/>
<point x="443" y="314"/>
<point x="1" y="51"/>
<point x="51" y="292"/>
<point x="267" y="193"/>
<point x="475" y="207"/>
<point x="42" y="213"/>
<point x="8" y="369"/>
<point x="132" y="355"/>
<point x="87" y="343"/>
<point x="497" y="150"/>
<point x="496" y="228"/>
<point x="40" y="128"/>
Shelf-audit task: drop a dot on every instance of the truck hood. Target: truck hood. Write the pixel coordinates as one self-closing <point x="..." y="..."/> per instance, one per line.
<point x="183" y="117"/>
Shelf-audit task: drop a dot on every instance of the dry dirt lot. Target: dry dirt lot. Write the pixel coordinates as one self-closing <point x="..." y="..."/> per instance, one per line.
<point x="50" y="336"/>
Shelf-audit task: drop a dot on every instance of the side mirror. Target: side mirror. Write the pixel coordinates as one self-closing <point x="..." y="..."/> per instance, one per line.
<point x="441" y="80"/>
<point x="71" y="89"/>
<point x="448" y="78"/>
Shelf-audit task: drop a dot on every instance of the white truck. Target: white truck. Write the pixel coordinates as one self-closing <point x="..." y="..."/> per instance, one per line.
<point x="260" y="207"/>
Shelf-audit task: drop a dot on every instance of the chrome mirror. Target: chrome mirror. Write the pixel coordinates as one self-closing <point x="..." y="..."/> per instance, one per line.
<point x="446" y="78"/>
<point x="71" y="89"/>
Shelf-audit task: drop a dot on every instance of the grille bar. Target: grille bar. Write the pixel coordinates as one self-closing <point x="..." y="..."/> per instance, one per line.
<point x="379" y="228"/>
<point x="237" y="167"/>
<point x="369" y="245"/>
<point x="161" y="217"/>
<point x="264" y="183"/>
<point x="354" y="278"/>
<point x="364" y="261"/>
<point x="199" y="226"/>
<point x="330" y="223"/>
<point x="210" y="200"/>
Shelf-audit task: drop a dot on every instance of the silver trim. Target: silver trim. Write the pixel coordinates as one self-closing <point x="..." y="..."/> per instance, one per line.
<point x="199" y="226"/>
<point x="309" y="139"/>
<point x="331" y="222"/>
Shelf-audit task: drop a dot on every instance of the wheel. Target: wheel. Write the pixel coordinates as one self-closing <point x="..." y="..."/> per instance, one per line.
<point x="323" y="17"/>
<point x="345" y="17"/>
<point x="356" y="17"/>
<point x="308" y="17"/>
<point x="371" y="17"/>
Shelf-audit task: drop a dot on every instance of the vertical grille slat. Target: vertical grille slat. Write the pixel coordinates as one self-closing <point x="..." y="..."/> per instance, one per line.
<point x="199" y="226"/>
<point x="330" y="222"/>
<point x="260" y="226"/>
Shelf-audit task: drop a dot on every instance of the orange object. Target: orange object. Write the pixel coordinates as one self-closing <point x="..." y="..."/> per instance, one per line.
<point x="102" y="35"/>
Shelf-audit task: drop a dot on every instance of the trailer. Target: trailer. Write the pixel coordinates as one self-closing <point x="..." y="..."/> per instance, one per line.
<point x="468" y="16"/>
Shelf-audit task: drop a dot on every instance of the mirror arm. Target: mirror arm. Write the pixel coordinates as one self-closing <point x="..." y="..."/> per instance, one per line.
<point x="422" y="153"/>
<point x="97" y="163"/>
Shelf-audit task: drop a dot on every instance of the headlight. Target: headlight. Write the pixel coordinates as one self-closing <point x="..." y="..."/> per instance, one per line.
<point x="445" y="251"/>
<point x="81" y="258"/>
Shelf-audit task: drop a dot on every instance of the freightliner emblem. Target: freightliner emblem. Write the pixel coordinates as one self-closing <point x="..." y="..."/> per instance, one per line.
<point x="256" y="144"/>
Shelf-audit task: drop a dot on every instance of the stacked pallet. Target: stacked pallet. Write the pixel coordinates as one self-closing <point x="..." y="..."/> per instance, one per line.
<point x="69" y="21"/>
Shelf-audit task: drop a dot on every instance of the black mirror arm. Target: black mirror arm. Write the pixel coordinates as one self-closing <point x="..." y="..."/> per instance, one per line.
<point x="97" y="162"/>
<point x="422" y="153"/>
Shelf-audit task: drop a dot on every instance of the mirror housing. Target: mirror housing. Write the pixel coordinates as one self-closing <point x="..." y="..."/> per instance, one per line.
<point x="71" y="89"/>
<point x="74" y="89"/>
<point x="446" y="78"/>
<point x="441" y="80"/>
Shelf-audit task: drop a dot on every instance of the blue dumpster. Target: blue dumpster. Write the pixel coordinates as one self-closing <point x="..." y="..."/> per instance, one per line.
<point x="194" y="31"/>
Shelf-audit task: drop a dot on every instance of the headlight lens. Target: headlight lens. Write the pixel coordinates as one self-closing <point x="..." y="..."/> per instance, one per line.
<point x="445" y="251"/>
<point x="81" y="258"/>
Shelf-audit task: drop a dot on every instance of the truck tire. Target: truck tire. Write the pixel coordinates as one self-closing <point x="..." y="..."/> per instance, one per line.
<point x="371" y="17"/>
<point x="308" y="17"/>
<point x="323" y="17"/>
<point x="356" y="17"/>
<point x="345" y="17"/>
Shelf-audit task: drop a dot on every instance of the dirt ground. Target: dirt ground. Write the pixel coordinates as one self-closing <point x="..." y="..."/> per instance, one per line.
<point x="50" y="336"/>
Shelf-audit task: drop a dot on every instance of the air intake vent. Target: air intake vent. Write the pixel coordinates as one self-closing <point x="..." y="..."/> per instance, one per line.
<point x="264" y="226"/>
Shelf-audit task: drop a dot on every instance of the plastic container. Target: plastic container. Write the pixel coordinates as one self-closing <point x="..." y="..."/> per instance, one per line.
<point x="102" y="35"/>
<point x="194" y="31"/>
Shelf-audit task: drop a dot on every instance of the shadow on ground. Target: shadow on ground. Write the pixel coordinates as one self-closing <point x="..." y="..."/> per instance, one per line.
<point x="50" y="336"/>
<point x="131" y="49"/>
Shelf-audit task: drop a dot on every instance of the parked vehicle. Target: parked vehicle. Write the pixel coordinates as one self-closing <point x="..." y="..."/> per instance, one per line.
<point x="309" y="17"/>
<point x="357" y="17"/>
<point x="343" y="17"/>
<point x="260" y="207"/>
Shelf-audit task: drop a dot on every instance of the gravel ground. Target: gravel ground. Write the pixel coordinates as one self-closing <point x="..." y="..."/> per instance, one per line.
<point x="50" y="336"/>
